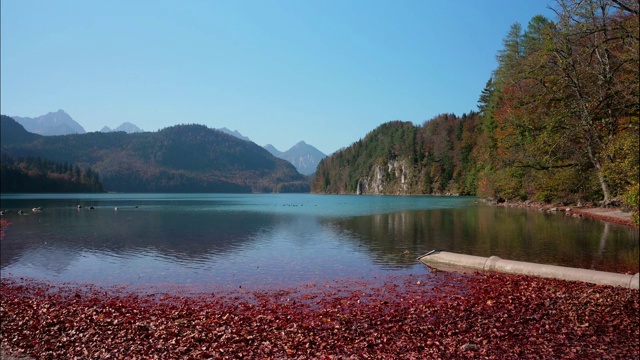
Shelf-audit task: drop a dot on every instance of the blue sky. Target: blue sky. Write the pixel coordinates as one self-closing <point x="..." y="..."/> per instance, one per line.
<point x="278" y="71"/>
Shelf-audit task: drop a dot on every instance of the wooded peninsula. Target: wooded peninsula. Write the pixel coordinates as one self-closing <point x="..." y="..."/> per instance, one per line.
<point x="556" y="122"/>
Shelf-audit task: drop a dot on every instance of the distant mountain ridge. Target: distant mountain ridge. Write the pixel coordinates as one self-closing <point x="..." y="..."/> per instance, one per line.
<point x="127" y="127"/>
<point x="302" y="155"/>
<point x="61" y="123"/>
<point x="53" y="123"/>
<point x="234" y="133"/>
<point x="275" y="152"/>
<point x="180" y="158"/>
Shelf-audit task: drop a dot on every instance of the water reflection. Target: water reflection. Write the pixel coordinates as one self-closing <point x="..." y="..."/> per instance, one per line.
<point x="177" y="245"/>
<point x="513" y="234"/>
<point x="285" y="239"/>
<point x="59" y="237"/>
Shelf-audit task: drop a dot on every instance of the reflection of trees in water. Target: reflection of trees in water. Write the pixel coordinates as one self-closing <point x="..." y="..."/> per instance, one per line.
<point x="602" y="244"/>
<point x="10" y="251"/>
<point x="513" y="234"/>
<point x="191" y="236"/>
<point x="52" y="260"/>
<point x="180" y="236"/>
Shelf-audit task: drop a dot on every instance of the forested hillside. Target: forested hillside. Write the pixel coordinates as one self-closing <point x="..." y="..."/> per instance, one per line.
<point x="557" y="121"/>
<point x="401" y="158"/>
<point x="181" y="158"/>
<point x="563" y="106"/>
<point x="11" y="132"/>
<point x="35" y="175"/>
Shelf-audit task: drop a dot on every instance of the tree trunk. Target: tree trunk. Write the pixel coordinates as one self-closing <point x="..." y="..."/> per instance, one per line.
<point x="603" y="184"/>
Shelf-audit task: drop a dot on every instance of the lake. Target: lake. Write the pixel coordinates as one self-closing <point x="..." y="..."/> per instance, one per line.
<point x="269" y="240"/>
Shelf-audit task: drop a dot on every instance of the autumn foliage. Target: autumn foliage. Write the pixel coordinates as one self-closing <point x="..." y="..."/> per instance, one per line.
<point x="558" y="121"/>
<point x="34" y="175"/>
<point x="444" y="315"/>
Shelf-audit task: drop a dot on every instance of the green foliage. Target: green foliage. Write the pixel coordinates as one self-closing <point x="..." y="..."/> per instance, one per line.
<point x="401" y="158"/>
<point x="621" y="166"/>
<point x="563" y="109"/>
<point x="533" y="39"/>
<point x="510" y="56"/>
<point x="293" y="187"/>
<point x="558" y="121"/>
<point x="485" y="102"/>
<point x="342" y="172"/>
<point x="631" y="198"/>
<point x="502" y="184"/>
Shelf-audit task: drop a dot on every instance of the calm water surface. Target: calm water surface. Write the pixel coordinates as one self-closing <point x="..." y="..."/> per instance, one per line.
<point x="230" y="240"/>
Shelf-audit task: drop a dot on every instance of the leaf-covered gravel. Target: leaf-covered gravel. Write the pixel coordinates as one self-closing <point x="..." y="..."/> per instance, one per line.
<point x="482" y="315"/>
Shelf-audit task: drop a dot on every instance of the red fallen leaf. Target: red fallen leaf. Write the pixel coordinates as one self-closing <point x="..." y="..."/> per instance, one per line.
<point x="392" y="320"/>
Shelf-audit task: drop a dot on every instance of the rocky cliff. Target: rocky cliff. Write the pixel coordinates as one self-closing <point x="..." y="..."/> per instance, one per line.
<point x="391" y="178"/>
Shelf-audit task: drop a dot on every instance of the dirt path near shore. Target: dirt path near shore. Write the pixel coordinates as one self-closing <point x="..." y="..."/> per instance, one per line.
<point x="607" y="214"/>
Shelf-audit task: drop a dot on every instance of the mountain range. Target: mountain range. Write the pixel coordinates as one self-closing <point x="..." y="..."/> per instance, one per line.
<point x="303" y="156"/>
<point x="180" y="158"/>
<point x="234" y="133"/>
<point x="53" y="123"/>
<point x="127" y="127"/>
<point x="61" y="123"/>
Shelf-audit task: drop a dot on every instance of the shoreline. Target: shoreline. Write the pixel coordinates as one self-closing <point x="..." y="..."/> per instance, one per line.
<point x="613" y="214"/>
<point x="488" y="315"/>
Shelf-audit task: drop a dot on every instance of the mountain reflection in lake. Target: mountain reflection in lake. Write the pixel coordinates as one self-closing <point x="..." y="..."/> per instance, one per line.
<point x="268" y="239"/>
